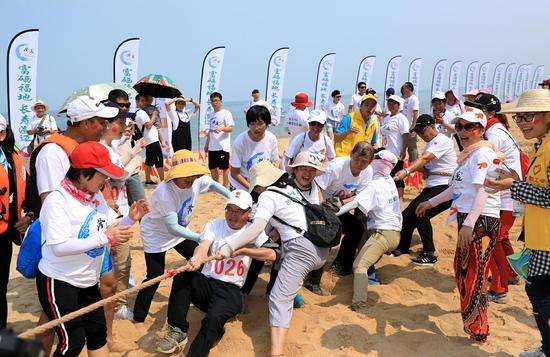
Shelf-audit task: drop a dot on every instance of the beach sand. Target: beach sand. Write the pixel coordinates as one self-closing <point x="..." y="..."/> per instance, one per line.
<point x="415" y="312"/>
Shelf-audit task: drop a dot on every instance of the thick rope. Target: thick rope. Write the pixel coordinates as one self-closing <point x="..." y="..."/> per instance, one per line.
<point x="51" y="324"/>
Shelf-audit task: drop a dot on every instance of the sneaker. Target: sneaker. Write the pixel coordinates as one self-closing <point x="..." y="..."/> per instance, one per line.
<point x="425" y="259"/>
<point x="131" y="282"/>
<point x="174" y="339"/>
<point x="373" y="280"/>
<point x="395" y="253"/>
<point x="340" y="270"/>
<point x="501" y="298"/>
<point x="514" y="281"/>
<point x="124" y="313"/>
<point x="298" y="301"/>
<point x="149" y="183"/>
<point x="537" y="352"/>
<point x="315" y="288"/>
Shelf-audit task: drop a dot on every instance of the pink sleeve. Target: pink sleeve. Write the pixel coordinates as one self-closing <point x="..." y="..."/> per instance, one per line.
<point x="444" y="196"/>
<point x="477" y="208"/>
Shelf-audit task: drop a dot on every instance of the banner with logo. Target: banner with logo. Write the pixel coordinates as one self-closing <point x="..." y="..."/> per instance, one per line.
<point x="276" y="69"/>
<point x="22" y="64"/>
<point x="324" y="80"/>
<point x="210" y="82"/>
<point x="483" y="79"/>
<point x="520" y="75"/>
<point x="454" y="76"/>
<point x="440" y="69"/>
<point x="125" y="62"/>
<point x="471" y="72"/>
<point x="538" y="77"/>
<point x="414" y="72"/>
<point x="392" y="72"/>
<point x="498" y="80"/>
<point x="364" y="72"/>
<point x="528" y="71"/>
<point x="509" y="82"/>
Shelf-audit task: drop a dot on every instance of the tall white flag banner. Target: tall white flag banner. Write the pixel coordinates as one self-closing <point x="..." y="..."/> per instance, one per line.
<point x="414" y="72"/>
<point x="509" y="82"/>
<point x="324" y="80"/>
<point x="440" y="69"/>
<point x="210" y="82"/>
<point x="483" y="81"/>
<point x="538" y="77"/>
<point x="454" y="76"/>
<point x="528" y="69"/>
<point x="22" y="65"/>
<point x="125" y="62"/>
<point x="471" y="72"/>
<point x="392" y="72"/>
<point x="518" y="85"/>
<point x="364" y="72"/>
<point x="275" y="81"/>
<point x="498" y="80"/>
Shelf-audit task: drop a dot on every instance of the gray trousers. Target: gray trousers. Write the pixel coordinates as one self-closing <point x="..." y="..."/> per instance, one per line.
<point x="134" y="189"/>
<point x="299" y="257"/>
<point x="412" y="149"/>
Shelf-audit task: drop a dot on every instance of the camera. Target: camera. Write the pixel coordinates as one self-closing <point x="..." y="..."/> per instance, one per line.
<point x="13" y="346"/>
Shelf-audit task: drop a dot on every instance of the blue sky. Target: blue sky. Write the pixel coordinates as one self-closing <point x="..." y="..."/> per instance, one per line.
<point x="77" y="38"/>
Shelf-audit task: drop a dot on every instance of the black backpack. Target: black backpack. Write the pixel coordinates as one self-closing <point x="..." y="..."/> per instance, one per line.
<point x="324" y="228"/>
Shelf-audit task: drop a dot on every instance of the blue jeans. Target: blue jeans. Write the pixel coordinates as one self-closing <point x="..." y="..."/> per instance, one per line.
<point x="538" y="291"/>
<point x="134" y="189"/>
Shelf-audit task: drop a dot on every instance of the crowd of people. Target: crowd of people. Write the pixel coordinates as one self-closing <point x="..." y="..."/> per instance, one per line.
<point x="85" y="192"/>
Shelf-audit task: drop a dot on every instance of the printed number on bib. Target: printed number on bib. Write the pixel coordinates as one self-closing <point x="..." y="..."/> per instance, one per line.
<point x="229" y="267"/>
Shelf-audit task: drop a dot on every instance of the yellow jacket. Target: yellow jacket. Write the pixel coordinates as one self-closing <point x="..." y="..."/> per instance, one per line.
<point x="369" y="133"/>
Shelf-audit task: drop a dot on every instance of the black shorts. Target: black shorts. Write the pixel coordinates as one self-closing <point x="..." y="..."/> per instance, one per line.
<point x="153" y="155"/>
<point x="398" y="167"/>
<point x="218" y="160"/>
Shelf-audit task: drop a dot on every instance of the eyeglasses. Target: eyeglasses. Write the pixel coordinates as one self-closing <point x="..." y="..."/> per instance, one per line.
<point x="524" y="117"/>
<point x="235" y="211"/>
<point x="467" y="127"/>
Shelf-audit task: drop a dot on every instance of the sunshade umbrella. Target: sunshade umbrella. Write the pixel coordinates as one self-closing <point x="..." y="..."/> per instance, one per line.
<point x="158" y="86"/>
<point x="98" y="91"/>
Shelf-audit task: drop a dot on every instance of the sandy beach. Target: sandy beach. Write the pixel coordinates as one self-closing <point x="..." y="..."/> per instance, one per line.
<point x="415" y="312"/>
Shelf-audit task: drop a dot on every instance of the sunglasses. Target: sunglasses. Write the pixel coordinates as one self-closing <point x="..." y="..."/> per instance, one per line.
<point x="123" y="105"/>
<point x="338" y="96"/>
<point x="363" y="87"/>
<point x="467" y="127"/>
<point x="525" y="117"/>
<point x="420" y="129"/>
<point x="314" y="123"/>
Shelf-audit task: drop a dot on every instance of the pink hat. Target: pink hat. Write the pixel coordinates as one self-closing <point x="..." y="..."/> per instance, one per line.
<point x="301" y="100"/>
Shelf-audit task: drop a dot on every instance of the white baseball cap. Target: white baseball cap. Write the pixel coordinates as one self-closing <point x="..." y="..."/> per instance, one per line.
<point x="472" y="115"/>
<point x="397" y="99"/>
<point x="84" y="108"/>
<point x="387" y="156"/>
<point x="241" y="199"/>
<point x="3" y="123"/>
<point x="317" y="116"/>
<point x="439" y="95"/>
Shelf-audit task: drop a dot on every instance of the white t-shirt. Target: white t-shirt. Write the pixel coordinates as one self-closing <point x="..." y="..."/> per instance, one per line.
<point x="118" y="188"/>
<point x="355" y="101"/>
<point x="312" y="195"/>
<point x="261" y="102"/>
<point x="149" y="135"/>
<point x="220" y="141"/>
<point x="175" y="116"/>
<point x="455" y="109"/>
<point x="246" y="152"/>
<point x="324" y="148"/>
<point x="274" y="204"/>
<point x="392" y="132"/>
<point x="411" y="104"/>
<point x="379" y="200"/>
<point x="339" y="181"/>
<point x="473" y="171"/>
<point x="500" y="137"/>
<point x="48" y="124"/>
<point x="296" y="121"/>
<point x="447" y="118"/>
<point x="335" y="112"/>
<point x="63" y="218"/>
<point x="52" y="163"/>
<point x="231" y="270"/>
<point x="445" y="160"/>
<point x="168" y="198"/>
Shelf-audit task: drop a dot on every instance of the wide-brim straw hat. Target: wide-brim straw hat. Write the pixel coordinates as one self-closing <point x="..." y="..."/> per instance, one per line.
<point x="532" y="100"/>
<point x="37" y="103"/>
<point x="184" y="164"/>
<point x="306" y="158"/>
<point x="264" y="174"/>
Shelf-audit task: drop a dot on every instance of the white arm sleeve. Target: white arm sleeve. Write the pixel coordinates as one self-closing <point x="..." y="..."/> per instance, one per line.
<point x="347" y="207"/>
<point x="248" y="236"/>
<point x="79" y="246"/>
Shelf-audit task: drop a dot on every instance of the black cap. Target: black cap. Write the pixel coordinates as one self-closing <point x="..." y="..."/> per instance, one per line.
<point x="390" y="91"/>
<point x="121" y="114"/>
<point x="423" y="121"/>
<point x="485" y="101"/>
<point x="370" y="91"/>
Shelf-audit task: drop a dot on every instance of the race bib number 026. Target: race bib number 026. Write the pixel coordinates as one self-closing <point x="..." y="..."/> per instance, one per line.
<point x="229" y="267"/>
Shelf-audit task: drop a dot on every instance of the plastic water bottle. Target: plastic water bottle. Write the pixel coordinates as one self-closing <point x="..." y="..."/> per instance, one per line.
<point x="493" y="174"/>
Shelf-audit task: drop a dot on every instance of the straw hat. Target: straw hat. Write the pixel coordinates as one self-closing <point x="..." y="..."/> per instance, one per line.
<point x="185" y="165"/>
<point x="309" y="159"/>
<point x="532" y="100"/>
<point x="264" y="174"/>
<point x="37" y="103"/>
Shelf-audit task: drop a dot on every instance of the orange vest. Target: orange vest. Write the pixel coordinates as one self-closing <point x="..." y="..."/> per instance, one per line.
<point x="20" y="178"/>
<point x="66" y="143"/>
